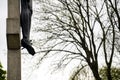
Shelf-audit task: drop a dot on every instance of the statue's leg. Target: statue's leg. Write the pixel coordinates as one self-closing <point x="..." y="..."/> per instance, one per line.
<point x="26" y="24"/>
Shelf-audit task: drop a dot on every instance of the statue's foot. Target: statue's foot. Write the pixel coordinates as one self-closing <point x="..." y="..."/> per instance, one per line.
<point x="28" y="46"/>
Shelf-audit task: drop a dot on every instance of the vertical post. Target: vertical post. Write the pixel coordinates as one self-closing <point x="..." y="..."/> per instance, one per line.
<point x="13" y="41"/>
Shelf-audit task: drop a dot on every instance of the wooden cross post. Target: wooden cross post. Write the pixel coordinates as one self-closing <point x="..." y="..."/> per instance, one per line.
<point x="13" y="41"/>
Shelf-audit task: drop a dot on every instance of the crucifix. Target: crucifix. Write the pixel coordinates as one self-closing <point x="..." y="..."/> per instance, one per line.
<point x="14" y="21"/>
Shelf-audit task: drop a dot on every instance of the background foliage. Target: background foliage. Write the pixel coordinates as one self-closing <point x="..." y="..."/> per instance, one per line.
<point x="2" y="73"/>
<point x="115" y="72"/>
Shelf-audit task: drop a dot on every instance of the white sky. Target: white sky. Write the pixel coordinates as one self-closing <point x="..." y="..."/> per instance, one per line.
<point x="3" y="16"/>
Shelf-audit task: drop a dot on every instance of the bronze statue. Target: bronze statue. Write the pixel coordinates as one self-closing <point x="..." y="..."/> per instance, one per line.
<point x="25" y="21"/>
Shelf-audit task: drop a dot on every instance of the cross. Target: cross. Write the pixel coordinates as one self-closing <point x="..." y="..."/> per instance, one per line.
<point x="13" y="41"/>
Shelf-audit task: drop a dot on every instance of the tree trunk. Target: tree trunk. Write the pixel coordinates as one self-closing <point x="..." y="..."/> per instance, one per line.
<point x="96" y="74"/>
<point x="109" y="77"/>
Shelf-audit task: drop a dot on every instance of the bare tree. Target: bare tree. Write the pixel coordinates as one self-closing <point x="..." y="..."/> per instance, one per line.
<point x="81" y="29"/>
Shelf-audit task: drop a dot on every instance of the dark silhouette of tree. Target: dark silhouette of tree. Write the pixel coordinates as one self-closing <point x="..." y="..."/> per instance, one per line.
<point x="82" y="30"/>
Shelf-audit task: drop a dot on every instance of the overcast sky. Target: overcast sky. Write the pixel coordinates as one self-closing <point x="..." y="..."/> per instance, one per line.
<point x="3" y="16"/>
